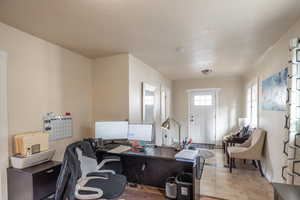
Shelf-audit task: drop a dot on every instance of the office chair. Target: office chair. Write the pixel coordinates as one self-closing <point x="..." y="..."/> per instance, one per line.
<point x="109" y="163"/>
<point x="96" y="182"/>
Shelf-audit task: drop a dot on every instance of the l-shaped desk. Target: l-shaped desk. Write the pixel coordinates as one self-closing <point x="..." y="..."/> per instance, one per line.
<point x="155" y="165"/>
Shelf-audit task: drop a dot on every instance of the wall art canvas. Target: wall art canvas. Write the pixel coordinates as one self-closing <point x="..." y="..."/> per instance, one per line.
<point x="274" y="91"/>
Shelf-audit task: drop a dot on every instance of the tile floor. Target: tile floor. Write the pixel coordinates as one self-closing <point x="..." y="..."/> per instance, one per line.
<point x="245" y="182"/>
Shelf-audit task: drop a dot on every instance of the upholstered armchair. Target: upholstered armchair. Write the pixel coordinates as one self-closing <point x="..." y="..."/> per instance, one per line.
<point x="236" y="137"/>
<point x="250" y="150"/>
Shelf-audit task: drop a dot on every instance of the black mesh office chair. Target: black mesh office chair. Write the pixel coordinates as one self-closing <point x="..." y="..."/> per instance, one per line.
<point x="96" y="182"/>
<point x="82" y="178"/>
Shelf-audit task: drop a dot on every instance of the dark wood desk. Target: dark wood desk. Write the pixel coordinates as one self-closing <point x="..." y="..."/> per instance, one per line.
<point x="286" y="192"/>
<point x="33" y="183"/>
<point x="158" y="163"/>
<point x="153" y="166"/>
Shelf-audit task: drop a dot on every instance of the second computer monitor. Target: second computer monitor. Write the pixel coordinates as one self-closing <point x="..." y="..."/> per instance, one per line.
<point x="113" y="130"/>
<point x="140" y="132"/>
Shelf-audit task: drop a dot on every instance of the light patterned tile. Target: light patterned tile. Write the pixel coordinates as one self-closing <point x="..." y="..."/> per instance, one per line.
<point x="245" y="183"/>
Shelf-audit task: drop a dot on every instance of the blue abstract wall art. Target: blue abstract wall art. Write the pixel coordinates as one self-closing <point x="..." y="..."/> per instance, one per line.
<point x="274" y="91"/>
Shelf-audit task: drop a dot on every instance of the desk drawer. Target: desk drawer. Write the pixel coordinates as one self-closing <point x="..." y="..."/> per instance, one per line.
<point x="45" y="182"/>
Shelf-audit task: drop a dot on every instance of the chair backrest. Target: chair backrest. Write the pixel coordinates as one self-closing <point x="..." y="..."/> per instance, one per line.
<point x="87" y="164"/>
<point x="258" y="139"/>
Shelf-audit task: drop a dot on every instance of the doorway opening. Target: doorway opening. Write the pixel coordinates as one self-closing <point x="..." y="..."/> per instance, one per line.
<point x="202" y="113"/>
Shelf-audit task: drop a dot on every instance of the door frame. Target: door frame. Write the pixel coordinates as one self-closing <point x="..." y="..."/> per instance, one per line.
<point x="4" y="162"/>
<point x="216" y="92"/>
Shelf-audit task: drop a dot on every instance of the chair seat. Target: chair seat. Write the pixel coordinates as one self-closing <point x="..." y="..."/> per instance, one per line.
<point x="234" y="151"/>
<point x="112" y="187"/>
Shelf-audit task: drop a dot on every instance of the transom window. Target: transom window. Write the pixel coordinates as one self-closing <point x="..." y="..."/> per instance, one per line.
<point x="149" y="100"/>
<point x="203" y="100"/>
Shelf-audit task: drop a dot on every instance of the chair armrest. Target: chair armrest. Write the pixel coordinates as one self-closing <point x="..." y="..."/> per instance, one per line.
<point x="107" y="171"/>
<point x="103" y="162"/>
<point x="80" y="187"/>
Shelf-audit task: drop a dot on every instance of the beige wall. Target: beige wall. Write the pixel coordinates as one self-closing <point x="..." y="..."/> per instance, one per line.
<point x="273" y="61"/>
<point x="110" y="88"/>
<point x="42" y="78"/>
<point x="117" y="89"/>
<point x="140" y="72"/>
<point x="3" y="126"/>
<point x="229" y="108"/>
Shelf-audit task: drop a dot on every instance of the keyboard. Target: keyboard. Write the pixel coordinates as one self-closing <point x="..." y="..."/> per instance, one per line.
<point x="120" y="149"/>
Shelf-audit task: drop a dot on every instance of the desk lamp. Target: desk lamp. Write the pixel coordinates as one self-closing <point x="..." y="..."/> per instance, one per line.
<point x="167" y="126"/>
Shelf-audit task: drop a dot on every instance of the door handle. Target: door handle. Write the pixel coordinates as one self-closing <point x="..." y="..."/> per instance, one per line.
<point x="192" y="118"/>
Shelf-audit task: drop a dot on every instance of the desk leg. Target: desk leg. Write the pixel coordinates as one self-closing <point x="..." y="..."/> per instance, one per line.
<point x="196" y="185"/>
<point x="276" y="197"/>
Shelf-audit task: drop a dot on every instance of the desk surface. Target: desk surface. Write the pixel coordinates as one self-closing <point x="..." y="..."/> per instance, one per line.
<point x="287" y="192"/>
<point x="158" y="152"/>
<point x="161" y="152"/>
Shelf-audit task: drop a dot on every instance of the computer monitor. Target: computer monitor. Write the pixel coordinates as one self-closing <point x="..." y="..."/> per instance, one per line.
<point x="113" y="130"/>
<point x="140" y="132"/>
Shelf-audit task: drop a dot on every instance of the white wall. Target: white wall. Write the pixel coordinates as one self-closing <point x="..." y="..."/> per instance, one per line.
<point x="230" y="102"/>
<point x="3" y="126"/>
<point x="273" y="61"/>
<point x="110" y="88"/>
<point x="140" y="72"/>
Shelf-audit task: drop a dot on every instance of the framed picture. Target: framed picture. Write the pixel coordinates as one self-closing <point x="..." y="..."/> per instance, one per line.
<point x="274" y="91"/>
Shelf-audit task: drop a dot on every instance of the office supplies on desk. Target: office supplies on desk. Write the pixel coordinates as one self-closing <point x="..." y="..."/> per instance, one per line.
<point x="113" y="130"/>
<point x="187" y="154"/>
<point x="120" y="149"/>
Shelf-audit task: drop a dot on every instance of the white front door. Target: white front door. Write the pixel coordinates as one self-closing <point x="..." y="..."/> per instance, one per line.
<point x="202" y="116"/>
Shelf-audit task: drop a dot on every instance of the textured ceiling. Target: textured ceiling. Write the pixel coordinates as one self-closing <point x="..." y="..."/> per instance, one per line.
<point x="177" y="37"/>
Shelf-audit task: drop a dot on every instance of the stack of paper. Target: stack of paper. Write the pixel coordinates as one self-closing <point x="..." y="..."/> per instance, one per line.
<point x="187" y="155"/>
<point x="120" y="149"/>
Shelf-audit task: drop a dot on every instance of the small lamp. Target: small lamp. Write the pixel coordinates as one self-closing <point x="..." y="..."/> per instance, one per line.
<point x="167" y="126"/>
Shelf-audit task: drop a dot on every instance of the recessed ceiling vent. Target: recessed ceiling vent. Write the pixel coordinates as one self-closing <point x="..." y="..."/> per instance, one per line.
<point x="206" y="71"/>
